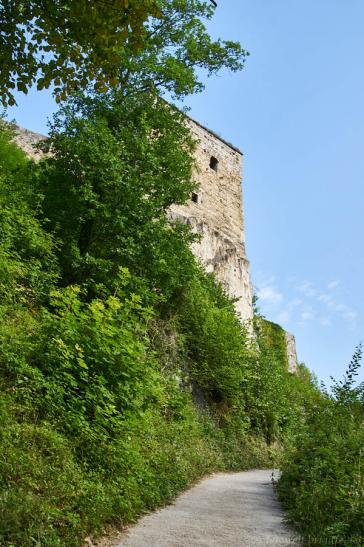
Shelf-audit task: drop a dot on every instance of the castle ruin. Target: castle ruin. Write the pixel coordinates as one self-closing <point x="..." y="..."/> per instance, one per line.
<point x="215" y="211"/>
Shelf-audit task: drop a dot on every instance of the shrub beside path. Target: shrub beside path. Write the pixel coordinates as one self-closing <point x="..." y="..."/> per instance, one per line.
<point x="224" y="510"/>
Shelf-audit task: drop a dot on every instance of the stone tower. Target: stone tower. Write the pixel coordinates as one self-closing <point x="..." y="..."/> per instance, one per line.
<point x="216" y="212"/>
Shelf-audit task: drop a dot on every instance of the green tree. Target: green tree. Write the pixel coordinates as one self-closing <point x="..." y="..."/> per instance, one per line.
<point x="177" y="50"/>
<point x="27" y="261"/>
<point x="113" y="174"/>
<point x="130" y="44"/>
<point x="68" y="43"/>
<point x="122" y="158"/>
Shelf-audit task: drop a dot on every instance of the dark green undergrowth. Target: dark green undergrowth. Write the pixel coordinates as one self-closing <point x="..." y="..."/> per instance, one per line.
<point x="98" y="421"/>
<point x="322" y="484"/>
<point x="125" y="374"/>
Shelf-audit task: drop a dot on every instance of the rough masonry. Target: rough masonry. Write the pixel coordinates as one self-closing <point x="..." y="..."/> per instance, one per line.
<point x="216" y="212"/>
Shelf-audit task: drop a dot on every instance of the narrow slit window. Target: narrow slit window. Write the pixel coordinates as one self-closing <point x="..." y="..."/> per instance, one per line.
<point x="214" y="163"/>
<point x="194" y="197"/>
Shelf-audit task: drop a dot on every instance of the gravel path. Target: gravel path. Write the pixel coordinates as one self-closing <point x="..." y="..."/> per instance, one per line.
<point x="225" y="510"/>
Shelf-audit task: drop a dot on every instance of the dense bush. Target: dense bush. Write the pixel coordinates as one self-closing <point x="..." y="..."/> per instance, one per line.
<point x="98" y="378"/>
<point x="275" y="399"/>
<point x="27" y="263"/>
<point x="322" y="484"/>
<point x="93" y="430"/>
<point x="216" y="342"/>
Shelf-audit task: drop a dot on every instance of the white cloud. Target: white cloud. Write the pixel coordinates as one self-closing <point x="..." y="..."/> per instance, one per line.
<point x="324" y="300"/>
<point x="283" y="317"/>
<point x="310" y="304"/>
<point x="339" y="307"/>
<point x="295" y="303"/>
<point x="332" y="285"/>
<point x="325" y="321"/>
<point x="307" y="289"/>
<point x="327" y="299"/>
<point x="331" y="304"/>
<point x="350" y="316"/>
<point x="307" y="316"/>
<point x="269" y="295"/>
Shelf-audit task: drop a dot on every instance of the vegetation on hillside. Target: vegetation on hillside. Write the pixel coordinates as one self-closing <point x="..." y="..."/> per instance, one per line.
<point x="125" y="373"/>
<point x="322" y="484"/>
<point x="127" y="45"/>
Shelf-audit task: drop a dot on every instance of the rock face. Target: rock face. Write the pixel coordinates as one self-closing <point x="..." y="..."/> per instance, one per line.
<point x="291" y="352"/>
<point x="27" y="141"/>
<point x="216" y="212"/>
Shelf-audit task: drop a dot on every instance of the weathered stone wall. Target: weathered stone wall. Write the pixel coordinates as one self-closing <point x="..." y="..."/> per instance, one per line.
<point x="291" y="352"/>
<point x="216" y="212"/>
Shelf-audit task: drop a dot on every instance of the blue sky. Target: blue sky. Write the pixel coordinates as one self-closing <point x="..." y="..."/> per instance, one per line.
<point x="296" y="111"/>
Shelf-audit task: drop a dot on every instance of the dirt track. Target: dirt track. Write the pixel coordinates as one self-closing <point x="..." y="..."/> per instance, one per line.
<point x="225" y="510"/>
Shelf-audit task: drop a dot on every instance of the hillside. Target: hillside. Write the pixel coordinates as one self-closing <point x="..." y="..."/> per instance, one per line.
<point x="126" y="374"/>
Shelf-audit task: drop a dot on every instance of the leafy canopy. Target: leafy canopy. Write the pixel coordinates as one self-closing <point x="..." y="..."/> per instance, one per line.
<point x="115" y="170"/>
<point x="123" y="157"/>
<point x="177" y="50"/>
<point x="68" y="43"/>
<point x="131" y="45"/>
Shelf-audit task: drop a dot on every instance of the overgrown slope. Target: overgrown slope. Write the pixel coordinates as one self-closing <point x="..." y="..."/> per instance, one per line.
<point x="124" y="372"/>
